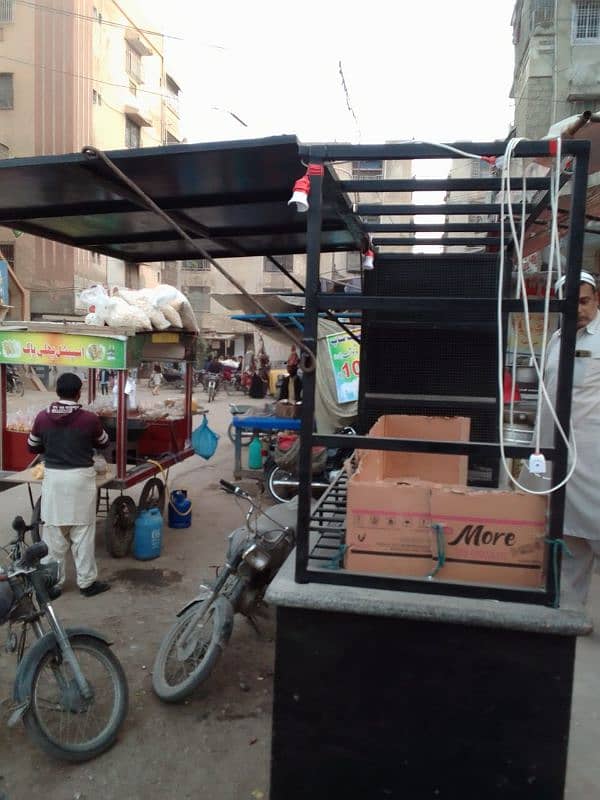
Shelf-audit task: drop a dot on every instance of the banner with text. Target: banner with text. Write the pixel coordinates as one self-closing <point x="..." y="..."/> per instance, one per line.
<point x="345" y="359"/>
<point x="62" y="349"/>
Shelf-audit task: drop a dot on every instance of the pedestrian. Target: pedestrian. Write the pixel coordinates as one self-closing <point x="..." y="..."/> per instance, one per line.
<point x="156" y="379"/>
<point x="581" y="529"/>
<point x="293" y="358"/>
<point x="104" y="377"/>
<point x="67" y="436"/>
<point x="291" y="386"/>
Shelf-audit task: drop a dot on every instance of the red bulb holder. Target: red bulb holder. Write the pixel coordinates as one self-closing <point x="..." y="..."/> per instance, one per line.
<point x="368" y="261"/>
<point x="302" y="187"/>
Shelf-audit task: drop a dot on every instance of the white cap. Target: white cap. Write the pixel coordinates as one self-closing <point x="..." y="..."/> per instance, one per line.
<point x="586" y="277"/>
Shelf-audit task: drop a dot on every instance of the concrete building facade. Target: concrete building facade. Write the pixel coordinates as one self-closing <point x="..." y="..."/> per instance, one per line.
<point x="72" y="73"/>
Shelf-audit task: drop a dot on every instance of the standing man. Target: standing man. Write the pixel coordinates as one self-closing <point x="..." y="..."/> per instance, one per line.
<point x="582" y="523"/>
<point x="291" y="386"/>
<point x="67" y="436"/>
<point x="104" y="381"/>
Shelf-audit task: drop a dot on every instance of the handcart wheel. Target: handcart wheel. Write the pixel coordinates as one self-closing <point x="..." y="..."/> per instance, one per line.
<point x="153" y="495"/>
<point x="119" y="526"/>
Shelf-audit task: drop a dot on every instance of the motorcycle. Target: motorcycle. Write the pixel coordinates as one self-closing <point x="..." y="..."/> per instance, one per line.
<point x="14" y="384"/>
<point x="70" y="690"/>
<point x="212" y="383"/>
<point x="280" y="469"/>
<point x="191" y="648"/>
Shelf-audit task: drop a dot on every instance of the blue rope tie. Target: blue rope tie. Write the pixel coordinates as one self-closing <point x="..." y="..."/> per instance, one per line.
<point x="441" y="550"/>
<point x="336" y="560"/>
<point x="556" y="545"/>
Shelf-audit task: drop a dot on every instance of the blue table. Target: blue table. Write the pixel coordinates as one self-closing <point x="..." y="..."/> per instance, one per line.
<point x="271" y="424"/>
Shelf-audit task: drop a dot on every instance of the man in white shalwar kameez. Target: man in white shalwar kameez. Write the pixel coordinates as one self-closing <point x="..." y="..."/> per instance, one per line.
<point x="67" y="436"/>
<point x="581" y="528"/>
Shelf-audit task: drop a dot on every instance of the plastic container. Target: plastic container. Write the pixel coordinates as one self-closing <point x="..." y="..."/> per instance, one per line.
<point x="180" y="509"/>
<point x="147" y="537"/>
<point x="255" y="454"/>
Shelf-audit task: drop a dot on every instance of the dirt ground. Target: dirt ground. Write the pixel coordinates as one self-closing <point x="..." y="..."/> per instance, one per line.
<point x="215" y="745"/>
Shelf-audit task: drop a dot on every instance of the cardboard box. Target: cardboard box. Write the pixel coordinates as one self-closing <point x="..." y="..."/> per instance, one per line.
<point x="434" y="467"/>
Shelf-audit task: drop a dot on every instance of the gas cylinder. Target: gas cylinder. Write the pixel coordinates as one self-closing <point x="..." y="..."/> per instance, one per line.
<point x="147" y="538"/>
<point x="255" y="453"/>
<point x="180" y="509"/>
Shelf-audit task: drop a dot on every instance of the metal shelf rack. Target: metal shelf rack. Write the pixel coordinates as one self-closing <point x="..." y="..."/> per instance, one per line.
<point x="320" y="532"/>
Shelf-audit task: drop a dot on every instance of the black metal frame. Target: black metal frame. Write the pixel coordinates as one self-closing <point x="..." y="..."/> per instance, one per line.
<point x="307" y="558"/>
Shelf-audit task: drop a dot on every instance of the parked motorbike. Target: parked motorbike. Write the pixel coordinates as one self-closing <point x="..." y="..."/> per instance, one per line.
<point x="188" y="653"/>
<point x="14" y="384"/>
<point x="70" y="690"/>
<point x="280" y="469"/>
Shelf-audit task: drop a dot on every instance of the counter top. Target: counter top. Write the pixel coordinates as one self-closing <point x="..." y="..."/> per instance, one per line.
<point x="283" y="591"/>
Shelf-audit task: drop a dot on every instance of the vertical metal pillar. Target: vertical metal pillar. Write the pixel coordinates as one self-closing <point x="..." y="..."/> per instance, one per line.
<point x="309" y="379"/>
<point x="91" y="385"/>
<point x="121" y="434"/>
<point x="189" y="384"/>
<point x="565" y="364"/>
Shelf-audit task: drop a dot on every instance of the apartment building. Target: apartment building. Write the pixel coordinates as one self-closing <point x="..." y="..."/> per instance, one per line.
<point x="72" y="73"/>
<point x="466" y="168"/>
<point x="557" y="73"/>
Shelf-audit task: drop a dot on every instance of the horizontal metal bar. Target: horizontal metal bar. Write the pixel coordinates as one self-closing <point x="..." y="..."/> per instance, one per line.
<point x="446" y="227"/>
<point x="440" y="184"/>
<point x="344" y="577"/>
<point x="389" y="444"/>
<point x="462" y="305"/>
<point x="444" y="209"/>
<point x="411" y="241"/>
<point x="406" y="150"/>
<point x="429" y="399"/>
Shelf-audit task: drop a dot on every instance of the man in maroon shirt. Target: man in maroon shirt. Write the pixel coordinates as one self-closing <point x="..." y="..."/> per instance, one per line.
<point x="67" y="436"/>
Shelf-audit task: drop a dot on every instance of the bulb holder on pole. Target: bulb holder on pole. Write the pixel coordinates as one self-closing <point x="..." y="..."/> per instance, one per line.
<point x="302" y="188"/>
<point x="368" y="261"/>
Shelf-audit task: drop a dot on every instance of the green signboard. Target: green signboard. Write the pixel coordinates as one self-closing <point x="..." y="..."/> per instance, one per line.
<point x="344" y="352"/>
<point x="62" y="349"/>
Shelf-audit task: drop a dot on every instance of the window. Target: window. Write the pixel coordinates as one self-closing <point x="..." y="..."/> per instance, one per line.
<point x="172" y="96"/>
<point x="542" y="12"/>
<point x="133" y="88"/>
<point x="586" y="20"/>
<point x="133" y="63"/>
<point x="96" y="98"/>
<point x="591" y="103"/>
<point x="363" y="170"/>
<point x="287" y="262"/>
<point x="132" y="133"/>
<point x="196" y="265"/>
<point x="7" y="251"/>
<point x="4" y="150"/>
<point x="7" y="11"/>
<point x="6" y="90"/>
<point x="199" y="297"/>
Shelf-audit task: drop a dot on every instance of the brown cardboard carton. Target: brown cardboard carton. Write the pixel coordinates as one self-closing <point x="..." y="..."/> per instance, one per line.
<point x="490" y="537"/>
<point x="424" y="466"/>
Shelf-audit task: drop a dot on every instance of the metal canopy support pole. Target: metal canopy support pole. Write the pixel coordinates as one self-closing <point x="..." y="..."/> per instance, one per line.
<point x="91" y="385"/>
<point x="311" y="323"/>
<point x="121" y="424"/>
<point x="565" y="363"/>
<point x="189" y="384"/>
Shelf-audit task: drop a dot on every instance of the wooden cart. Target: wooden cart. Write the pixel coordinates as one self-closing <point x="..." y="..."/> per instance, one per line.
<point x="140" y="449"/>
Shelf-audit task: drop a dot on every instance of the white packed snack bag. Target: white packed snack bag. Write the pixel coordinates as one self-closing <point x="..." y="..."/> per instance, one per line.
<point x="172" y="316"/>
<point x="120" y="314"/>
<point x="142" y="298"/>
<point x="188" y="318"/>
<point x="163" y="295"/>
<point x="95" y="296"/>
<point x="94" y="319"/>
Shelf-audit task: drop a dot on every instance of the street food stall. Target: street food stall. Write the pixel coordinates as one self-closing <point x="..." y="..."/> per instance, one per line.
<point x="144" y="440"/>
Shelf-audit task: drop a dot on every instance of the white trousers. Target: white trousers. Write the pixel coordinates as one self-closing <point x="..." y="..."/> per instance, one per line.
<point x="576" y="572"/>
<point x="81" y="539"/>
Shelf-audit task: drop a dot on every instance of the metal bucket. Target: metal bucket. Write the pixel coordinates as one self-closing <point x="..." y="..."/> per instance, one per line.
<point x="514" y="434"/>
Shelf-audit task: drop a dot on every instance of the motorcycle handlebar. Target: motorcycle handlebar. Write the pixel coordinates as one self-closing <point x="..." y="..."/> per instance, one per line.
<point x="229" y="487"/>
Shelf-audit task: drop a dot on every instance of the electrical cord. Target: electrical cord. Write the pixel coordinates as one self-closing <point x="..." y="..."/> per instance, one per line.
<point x="520" y="241"/>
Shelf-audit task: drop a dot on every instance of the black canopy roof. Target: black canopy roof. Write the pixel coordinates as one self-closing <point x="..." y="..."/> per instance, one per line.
<point x="229" y="196"/>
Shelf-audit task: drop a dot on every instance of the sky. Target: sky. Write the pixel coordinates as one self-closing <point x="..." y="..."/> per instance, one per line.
<point x="431" y="71"/>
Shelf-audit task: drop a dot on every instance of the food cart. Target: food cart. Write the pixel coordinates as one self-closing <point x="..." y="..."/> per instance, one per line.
<point x="143" y="442"/>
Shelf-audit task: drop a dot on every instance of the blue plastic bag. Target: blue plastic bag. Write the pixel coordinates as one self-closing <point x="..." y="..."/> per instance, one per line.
<point x="204" y="440"/>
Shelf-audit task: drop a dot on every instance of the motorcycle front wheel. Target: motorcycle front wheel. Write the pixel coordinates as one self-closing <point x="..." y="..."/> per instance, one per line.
<point x="188" y="653"/>
<point x="281" y="485"/>
<point x="62" y="722"/>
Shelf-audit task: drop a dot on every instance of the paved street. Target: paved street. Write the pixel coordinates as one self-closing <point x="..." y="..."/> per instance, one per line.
<point x="218" y="744"/>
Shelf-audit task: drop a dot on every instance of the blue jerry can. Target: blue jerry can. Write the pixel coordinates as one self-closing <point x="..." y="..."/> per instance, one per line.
<point x="147" y="537"/>
<point x="180" y="509"/>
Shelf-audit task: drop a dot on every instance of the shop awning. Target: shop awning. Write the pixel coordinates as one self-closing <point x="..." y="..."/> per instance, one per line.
<point x="231" y="197"/>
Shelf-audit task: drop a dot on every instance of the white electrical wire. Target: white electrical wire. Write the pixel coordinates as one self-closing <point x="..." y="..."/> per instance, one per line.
<point x="520" y="241"/>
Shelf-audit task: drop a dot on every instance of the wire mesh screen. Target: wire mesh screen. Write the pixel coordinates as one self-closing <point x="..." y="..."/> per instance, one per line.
<point x="426" y="362"/>
<point x="443" y="275"/>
